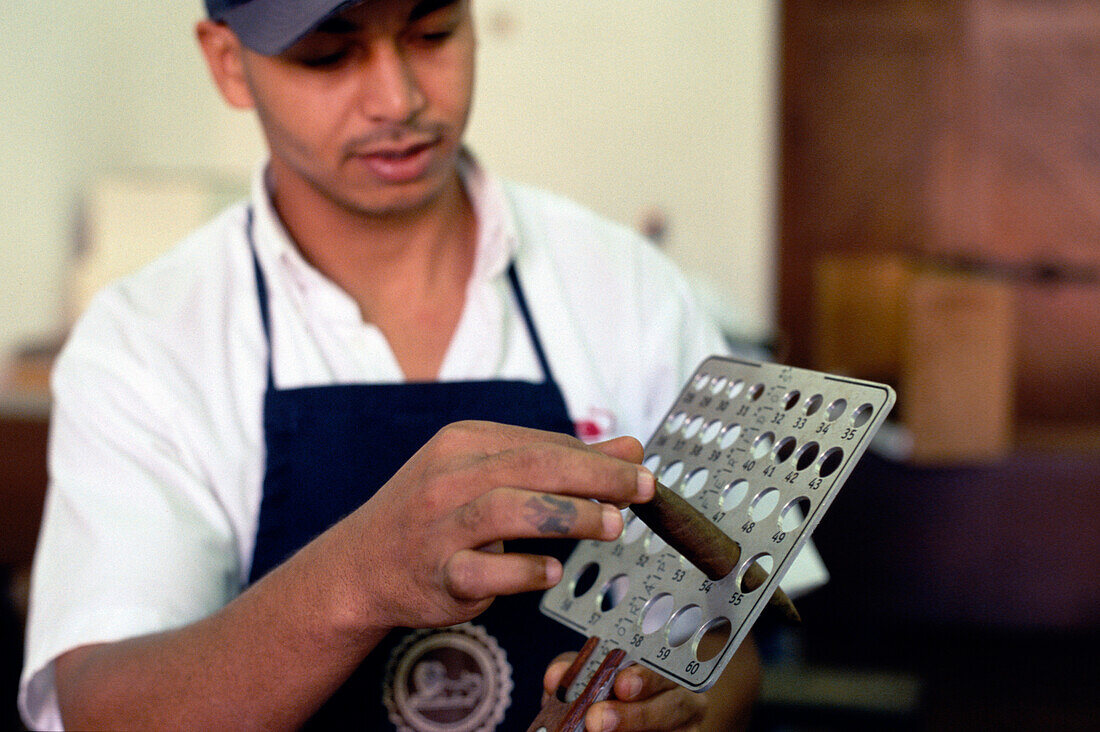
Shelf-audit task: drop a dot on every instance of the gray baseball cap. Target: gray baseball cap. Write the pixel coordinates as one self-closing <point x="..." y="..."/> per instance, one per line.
<point x="270" y="27"/>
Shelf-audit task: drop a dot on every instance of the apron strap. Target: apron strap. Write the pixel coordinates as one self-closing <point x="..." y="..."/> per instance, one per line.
<point x="261" y="296"/>
<point x="524" y="311"/>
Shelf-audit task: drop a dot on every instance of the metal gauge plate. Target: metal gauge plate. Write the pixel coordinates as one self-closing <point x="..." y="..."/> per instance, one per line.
<point x="760" y="449"/>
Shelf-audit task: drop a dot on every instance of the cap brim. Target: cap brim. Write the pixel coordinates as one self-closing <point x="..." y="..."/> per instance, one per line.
<point x="270" y="27"/>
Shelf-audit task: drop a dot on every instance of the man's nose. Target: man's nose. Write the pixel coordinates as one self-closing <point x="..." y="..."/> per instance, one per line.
<point x="390" y="91"/>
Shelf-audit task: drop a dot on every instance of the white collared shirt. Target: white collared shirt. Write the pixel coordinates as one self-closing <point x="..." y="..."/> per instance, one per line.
<point x="156" y="453"/>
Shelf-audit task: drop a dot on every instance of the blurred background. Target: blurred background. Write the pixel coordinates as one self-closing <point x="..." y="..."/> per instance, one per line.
<point x="905" y="190"/>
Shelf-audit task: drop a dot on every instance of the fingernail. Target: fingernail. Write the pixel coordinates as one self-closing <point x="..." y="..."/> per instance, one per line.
<point x="553" y="571"/>
<point x="647" y="484"/>
<point x="609" y="720"/>
<point x="612" y="522"/>
<point x="633" y="687"/>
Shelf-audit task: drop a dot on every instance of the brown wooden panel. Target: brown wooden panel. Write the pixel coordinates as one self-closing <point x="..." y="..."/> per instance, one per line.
<point x="1058" y="341"/>
<point x="1038" y="137"/>
<point x="964" y="129"/>
<point x="22" y="486"/>
<point x="863" y="106"/>
<point x="1041" y="129"/>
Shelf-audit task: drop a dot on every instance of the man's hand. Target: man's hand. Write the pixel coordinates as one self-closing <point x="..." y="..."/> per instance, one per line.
<point x="641" y="699"/>
<point x="644" y="700"/>
<point x="426" y="549"/>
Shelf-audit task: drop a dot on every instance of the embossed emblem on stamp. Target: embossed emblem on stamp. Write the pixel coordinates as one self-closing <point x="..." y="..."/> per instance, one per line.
<point x="453" y="679"/>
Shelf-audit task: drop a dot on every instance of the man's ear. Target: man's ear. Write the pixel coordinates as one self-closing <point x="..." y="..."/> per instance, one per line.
<point x="223" y="52"/>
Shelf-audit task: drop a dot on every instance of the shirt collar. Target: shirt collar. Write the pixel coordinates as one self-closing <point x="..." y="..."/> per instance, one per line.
<point x="496" y="227"/>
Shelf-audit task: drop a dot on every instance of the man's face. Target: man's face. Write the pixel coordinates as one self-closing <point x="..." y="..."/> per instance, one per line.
<point x="369" y="109"/>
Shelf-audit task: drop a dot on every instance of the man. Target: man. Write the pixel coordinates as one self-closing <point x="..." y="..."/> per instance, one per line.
<point x="268" y="504"/>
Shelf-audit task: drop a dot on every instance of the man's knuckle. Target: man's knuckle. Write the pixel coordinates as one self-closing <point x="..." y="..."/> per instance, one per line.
<point x="432" y="499"/>
<point x="499" y="503"/>
<point x="528" y="460"/>
<point x="469" y="516"/>
<point x="451" y="433"/>
<point x="462" y="578"/>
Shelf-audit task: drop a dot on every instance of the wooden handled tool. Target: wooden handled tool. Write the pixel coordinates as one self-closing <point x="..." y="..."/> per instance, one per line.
<point x="559" y="715"/>
<point x="704" y="545"/>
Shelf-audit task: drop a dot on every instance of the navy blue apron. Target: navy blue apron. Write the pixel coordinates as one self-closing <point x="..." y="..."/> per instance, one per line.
<point x="329" y="448"/>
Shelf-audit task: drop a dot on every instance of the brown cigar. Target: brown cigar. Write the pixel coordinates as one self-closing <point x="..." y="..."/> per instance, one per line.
<point x="704" y="545"/>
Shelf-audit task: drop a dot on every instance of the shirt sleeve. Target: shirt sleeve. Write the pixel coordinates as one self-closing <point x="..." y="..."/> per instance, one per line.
<point x="133" y="540"/>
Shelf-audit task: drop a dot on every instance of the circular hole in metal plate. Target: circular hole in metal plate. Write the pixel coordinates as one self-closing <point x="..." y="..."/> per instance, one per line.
<point x="812" y="404"/>
<point x="762" y="445"/>
<point x="729" y="436"/>
<point x="711" y="431"/>
<point x="700" y="382"/>
<point x="830" y="461"/>
<point x="652" y="462"/>
<point x="764" y="504"/>
<point x="806" y="455"/>
<point x="684" y="624"/>
<point x="657" y="612"/>
<point x="613" y="592"/>
<point x="763" y="561"/>
<point x="716" y="634"/>
<point x="654" y="544"/>
<point x="736" y="387"/>
<point x="783" y="449"/>
<point x="793" y="514"/>
<point x="790" y="399"/>
<point x="835" y="409"/>
<point x="695" y="482"/>
<point x="734" y="492"/>
<point x="675" y="422"/>
<point x="692" y="427"/>
<point x="862" y="415"/>
<point x="718" y="383"/>
<point x="755" y="392"/>
<point x="585" y="579"/>
<point x="633" y="528"/>
<point x="672" y="473"/>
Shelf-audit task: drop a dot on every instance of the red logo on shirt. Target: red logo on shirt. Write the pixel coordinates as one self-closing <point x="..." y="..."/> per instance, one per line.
<point x="596" y="425"/>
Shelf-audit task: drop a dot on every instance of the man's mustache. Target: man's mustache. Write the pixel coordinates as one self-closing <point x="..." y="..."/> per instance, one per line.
<point x="399" y="135"/>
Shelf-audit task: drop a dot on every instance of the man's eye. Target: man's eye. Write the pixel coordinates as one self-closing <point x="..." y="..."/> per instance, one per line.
<point x="319" y="61"/>
<point x="436" y="35"/>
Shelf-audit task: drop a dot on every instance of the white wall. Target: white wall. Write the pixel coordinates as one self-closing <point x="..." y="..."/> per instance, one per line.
<point x="628" y="106"/>
<point x="623" y="106"/>
<point x="89" y="88"/>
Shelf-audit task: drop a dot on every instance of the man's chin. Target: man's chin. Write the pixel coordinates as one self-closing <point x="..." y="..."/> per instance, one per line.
<point x="402" y="202"/>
